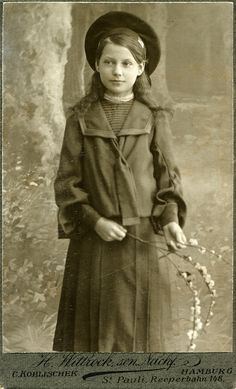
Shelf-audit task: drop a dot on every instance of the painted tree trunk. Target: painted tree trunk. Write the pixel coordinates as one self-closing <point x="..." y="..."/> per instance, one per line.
<point x="36" y="40"/>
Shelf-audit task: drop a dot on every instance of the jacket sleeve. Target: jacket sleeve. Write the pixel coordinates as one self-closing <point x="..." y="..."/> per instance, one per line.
<point x="75" y="213"/>
<point x="169" y="204"/>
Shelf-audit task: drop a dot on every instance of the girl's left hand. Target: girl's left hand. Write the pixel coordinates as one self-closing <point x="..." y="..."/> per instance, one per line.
<point x="175" y="238"/>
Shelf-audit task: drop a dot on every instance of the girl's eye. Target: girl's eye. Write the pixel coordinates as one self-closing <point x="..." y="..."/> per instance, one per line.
<point x="127" y="63"/>
<point x="108" y="62"/>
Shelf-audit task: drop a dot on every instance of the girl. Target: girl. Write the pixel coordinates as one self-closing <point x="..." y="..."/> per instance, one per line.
<point x="117" y="185"/>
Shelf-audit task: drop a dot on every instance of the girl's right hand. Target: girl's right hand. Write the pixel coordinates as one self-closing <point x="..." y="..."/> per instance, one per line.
<point x="109" y="230"/>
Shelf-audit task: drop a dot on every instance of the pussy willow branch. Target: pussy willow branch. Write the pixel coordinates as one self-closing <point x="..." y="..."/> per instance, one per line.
<point x="167" y="253"/>
<point x="192" y="290"/>
<point x="194" y="293"/>
<point x="212" y="252"/>
<point x="198" y="247"/>
<point x="193" y="263"/>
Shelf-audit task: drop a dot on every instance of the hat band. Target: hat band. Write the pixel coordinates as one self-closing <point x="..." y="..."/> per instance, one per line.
<point x="141" y="42"/>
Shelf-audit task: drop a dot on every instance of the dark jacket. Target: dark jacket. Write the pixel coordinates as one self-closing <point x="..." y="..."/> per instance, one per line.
<point x="128" y="176"/>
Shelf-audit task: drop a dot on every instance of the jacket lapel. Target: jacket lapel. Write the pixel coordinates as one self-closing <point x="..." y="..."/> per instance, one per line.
<point x="95" y="122"/>
<point x="139" y="120"/>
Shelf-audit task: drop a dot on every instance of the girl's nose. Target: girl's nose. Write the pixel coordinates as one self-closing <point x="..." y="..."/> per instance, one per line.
<point x="117" y="70"/>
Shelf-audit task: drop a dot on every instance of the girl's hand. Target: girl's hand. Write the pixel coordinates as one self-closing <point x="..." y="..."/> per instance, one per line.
<point x="175" y="238"/>
<point x="109" y="230"/>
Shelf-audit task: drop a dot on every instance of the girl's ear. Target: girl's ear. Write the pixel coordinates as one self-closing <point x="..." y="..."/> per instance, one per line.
<point x="141" y="68"/>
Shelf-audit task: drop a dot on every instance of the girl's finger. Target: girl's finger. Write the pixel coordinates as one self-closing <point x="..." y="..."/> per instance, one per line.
<point x="184" y="239"/>
<point x="112" y="235"/>
<point x="180" y="238"/>
<point x="108" y="239"/>
<point x="119" y="236"/>
<point x="180" y="246"/>
<point x="121" y="228"/>
<point x="180" y="241"/>
<point x="119" y="232"/>
<point x="172" y="246"/>
<point x="115" y="237"/>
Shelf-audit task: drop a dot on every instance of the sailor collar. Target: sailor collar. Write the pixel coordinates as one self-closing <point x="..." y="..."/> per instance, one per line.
<point x="95" y="123"/>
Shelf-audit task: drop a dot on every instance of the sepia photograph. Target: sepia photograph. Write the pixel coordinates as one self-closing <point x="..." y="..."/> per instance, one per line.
<point x="117" y="177"/>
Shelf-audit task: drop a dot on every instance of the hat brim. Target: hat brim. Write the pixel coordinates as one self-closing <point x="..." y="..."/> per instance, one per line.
<point x="117" y="19"/>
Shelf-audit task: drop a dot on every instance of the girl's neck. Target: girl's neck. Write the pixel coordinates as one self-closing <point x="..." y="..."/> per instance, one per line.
<point x="118" y="99"/>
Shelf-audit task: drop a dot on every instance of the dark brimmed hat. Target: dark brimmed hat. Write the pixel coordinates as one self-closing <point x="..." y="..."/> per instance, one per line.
<point x="118" y="19"/>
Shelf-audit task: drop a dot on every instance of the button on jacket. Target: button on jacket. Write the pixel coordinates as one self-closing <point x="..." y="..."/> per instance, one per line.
<point x="126" y="176"/>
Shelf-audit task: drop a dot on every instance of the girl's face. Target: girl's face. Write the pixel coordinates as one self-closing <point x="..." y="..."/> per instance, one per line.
<point x="118" y="69"/>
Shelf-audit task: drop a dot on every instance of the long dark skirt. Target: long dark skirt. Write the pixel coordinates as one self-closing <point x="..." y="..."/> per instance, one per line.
<point x="118" y="296"/>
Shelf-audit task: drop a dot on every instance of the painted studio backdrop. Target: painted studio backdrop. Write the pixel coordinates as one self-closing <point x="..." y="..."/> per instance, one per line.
<point x="45" y="72"/>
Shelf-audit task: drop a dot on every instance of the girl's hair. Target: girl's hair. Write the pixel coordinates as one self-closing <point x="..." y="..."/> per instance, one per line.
<point x="142" y="86"/>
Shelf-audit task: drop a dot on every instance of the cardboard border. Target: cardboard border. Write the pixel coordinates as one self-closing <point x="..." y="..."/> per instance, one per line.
<point x="172" y="366"/>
